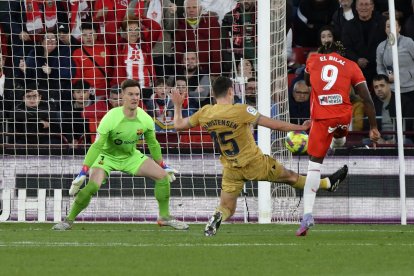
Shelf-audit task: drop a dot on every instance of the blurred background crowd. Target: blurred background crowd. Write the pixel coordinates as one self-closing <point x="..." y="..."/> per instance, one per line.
<point x="62" y="62"/>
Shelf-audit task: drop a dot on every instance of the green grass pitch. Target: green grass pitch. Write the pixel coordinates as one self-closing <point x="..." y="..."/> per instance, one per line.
<point x="237" y="249"/>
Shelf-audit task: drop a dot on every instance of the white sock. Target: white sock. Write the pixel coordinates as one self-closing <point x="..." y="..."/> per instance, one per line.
<point x="311" y="186"/>
<point x="337" y="142"/>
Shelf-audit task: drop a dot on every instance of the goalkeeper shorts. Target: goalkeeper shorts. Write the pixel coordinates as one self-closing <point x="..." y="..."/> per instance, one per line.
<point x="128" y="165"/>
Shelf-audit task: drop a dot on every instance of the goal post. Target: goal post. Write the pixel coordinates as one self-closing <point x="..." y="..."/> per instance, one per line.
<point x="277" y="201"/>
<point x="264" y="86"/>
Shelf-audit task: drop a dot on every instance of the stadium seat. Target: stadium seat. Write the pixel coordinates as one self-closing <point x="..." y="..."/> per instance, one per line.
<point x="195" y="137"/>
<point x="300" y="54"/>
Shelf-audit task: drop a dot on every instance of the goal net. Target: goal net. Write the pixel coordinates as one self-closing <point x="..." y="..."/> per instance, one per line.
<point x="285" y="203"/>
<point x="61" y="64"/>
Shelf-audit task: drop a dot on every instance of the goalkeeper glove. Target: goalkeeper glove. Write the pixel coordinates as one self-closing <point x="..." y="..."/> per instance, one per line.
<point x="78" y="181"/>
<point x="170" y="171"/>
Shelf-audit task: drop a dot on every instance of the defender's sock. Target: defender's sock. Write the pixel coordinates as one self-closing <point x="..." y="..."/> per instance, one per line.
<point x="162" y="194"/>
<point x="225" y="212"/>
<point x="300" y="184"/>
<point x="82" y="200"/>
<point x="311" y="186"/>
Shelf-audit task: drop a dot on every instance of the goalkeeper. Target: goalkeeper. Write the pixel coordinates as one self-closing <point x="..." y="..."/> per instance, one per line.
<point x="230" y="126"/>
<point x="115" y="150"/>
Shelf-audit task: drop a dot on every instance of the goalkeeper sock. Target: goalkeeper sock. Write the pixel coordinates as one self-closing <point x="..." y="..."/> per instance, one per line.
<point x="162" y="194"/>
<point x="311" y="186"/>
<point x="82" y="199"/>
<point x="225" y="212"/>
<point x="300" y="184"/>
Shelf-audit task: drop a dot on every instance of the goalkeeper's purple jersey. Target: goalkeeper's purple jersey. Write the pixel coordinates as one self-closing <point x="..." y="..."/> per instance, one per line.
<point x="231" y="128"/>
<point x="119" y="135"/>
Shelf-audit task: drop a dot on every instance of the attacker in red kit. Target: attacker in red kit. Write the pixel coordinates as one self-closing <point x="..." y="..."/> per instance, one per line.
<point x="331" y="76"/>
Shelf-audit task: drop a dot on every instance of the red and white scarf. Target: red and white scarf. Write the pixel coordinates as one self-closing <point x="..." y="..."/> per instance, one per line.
<point x="78" y="10"/>
<point x="135" y="65"/>
<point x="34" y="17"/>
<point x="154" y="11"/>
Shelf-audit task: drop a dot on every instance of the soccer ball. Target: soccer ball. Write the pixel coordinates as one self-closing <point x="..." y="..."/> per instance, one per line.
<point x="297" y="142"/>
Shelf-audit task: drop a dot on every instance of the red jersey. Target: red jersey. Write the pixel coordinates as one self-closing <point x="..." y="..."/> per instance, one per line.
<point x="331" y="78"/>
<point x="93" y="64"/>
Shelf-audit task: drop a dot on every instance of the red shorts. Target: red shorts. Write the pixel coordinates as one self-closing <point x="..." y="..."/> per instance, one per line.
<point x="322" y="131"/>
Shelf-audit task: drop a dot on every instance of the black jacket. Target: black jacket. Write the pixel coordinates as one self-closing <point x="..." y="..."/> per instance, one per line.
<point x="364" y="45"/>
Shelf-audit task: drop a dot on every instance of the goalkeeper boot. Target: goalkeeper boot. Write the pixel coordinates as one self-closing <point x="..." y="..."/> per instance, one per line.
<point x="213" y="224"/>
<point x="306" y="223"/>
<point x="337" y="177"/>
<point x="172" y="222"/>
<point x="63" y="225"/>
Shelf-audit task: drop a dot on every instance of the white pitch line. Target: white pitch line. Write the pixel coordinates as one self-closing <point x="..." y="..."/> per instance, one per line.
<point x="88" y="244"/>
<point x="403" y="230"/>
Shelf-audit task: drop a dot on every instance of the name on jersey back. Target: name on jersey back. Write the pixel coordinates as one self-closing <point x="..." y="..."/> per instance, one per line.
<point x="326" y="58"/>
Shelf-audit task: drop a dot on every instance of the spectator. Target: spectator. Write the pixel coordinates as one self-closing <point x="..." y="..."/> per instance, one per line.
<point x="79" y="11"/>
<point x="245" y="71"/>
<point x="134" y="58"/>
<point x="299" y="103"/>
<point x="109" y="14"/>
<point x="300" y="72"/>
<point x="385" y="108"/>
<point x="326" y="34"/>
<point x="289" y="32"/>
<point x="65" y="38"/>
<point x="163" y="12"/>
<point x="32" y="120"/>
<point x="74" y="126"/>
<point x="27" y="22"/>
<point x="93" y="64"/>
<point x="52" y="67"/>
<point x="239" y="26"/>
<point x="95" y="112"/>
<point x="251" y="92"/>
<point x="159" y="105"/>
<point x="198" y="81"/>
<point x="220" y="8"/>
<point x="402" y="8"/>
<point x="409" y="23"/>
<point x="405" y="47"/>
<point x="311" y="16"/>
<point x="189" y="106"/>
<point x="3" y="41"/>
<point x="362" y="35"/>
<point x="344" y="13"/>
<point x="8" y="96"/>
<point x="201" y="33"/>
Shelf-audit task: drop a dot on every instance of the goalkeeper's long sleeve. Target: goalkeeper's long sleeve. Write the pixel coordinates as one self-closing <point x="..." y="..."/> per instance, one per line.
<point x="95" y="150"/>
<point x="153" y="145"/>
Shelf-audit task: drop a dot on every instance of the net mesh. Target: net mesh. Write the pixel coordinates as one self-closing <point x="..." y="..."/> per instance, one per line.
<point x="284" y="200"/>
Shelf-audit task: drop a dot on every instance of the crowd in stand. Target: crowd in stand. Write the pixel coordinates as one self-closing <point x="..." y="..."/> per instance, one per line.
<point x="363" y="26"/>
<point x="62" y="62"/>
